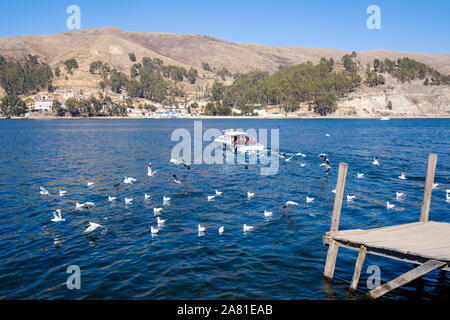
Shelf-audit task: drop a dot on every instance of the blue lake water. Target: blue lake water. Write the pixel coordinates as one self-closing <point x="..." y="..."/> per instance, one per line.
<point x="282" y="258"/>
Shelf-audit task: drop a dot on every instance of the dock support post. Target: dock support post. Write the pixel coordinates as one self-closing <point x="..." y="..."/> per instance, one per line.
<point x="334" y="246"/>
<point x="425" y="210"/>
<point x="331" y="260"/>
<point x="415" y="273"/>
<point x="358" y="267"/>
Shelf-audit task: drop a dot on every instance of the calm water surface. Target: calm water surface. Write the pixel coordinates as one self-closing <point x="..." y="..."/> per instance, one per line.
<point x="282" y="258"/>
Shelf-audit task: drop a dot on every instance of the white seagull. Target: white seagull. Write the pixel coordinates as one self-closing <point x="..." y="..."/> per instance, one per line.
<point x="267" y="213"/>
<point x="219" y="193"/>
<point x="350" y="198"/>
<point x="146" y="196"/>
<point x="435" y="185"/>
<point x="308" y="199"/>
<point x="86" y="205"/>
<point x="247" y="228"/>
<point x="201" y="229"/>
<point x="160" y="221"/>
<point x="334" y="191"/>
<point x="290" y="203"/>
<point x="302" y="165"/>
<point x="375" y="161"/>
<point x="166" y="199"/>
<point x="62" y="193"/>
<point x="43" y="191"/>
<point x="128" y="200"/>
<point x="221" y="230"/>
<point x="57" y="216"/>
<point x="210" y="198"/>
<point x="360" y="175"/>
<point x="403" y="175"/>
<point x="91" y="227"/>
<point x="111" y="199"/>
<point x="389" y="206"/>
<point x="154" y="230"/>
<point x="399" y="195"/>
<point x="447" y="196"/>
<point x="250" y="195"/>
<point x="157" y="210"/>
<point x="90" y="184"/>
<point x="150" y="172"/>
<point x="128" y="180"/>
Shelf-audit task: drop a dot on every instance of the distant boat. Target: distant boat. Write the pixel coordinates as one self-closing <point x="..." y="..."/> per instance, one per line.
<point x="243" y="141"/>
<point x="385" y="118"/>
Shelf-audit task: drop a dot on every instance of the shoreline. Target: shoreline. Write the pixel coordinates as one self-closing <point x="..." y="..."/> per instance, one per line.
<point x="230" y="117"/>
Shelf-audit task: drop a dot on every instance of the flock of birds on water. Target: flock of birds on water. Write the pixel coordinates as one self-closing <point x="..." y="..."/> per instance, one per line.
<point x="92" y="226"/>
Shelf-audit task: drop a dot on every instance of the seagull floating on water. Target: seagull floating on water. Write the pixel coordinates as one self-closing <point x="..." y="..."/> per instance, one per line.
<point x="360" y="175"/>
<point x="250" y="195"/>
<point x="350" y="198"/>
<point x="334" y="191"/>
<point x="302" y="165"/>
<point x="128" y="200"/>
<point x="308" y="199"/>
<point x="166" y="199"/>
<point x="389" y="206"/>
<point x="92" y="227"/>
<point x="43" y="191"/>
<point x="218" y="193"/>
<point x="154" y="230"/>
<point x="157" y="210"/>
<point x="62" y="193"/>
<point x="447" y="196"/>
<point x="247" y="228"/>
<point x="111" y="199"/>
<point x="201" y="229"/>
<point x="175" y="179"/>
<point x="160" y="221"/>
<point x="210" y="198"/>
<point x="267" y="213"/>
<point x="435" y="185"/>
<point x="399" y="195"/>
<point x="146" y="196"/>
<point x="90" y="184"/>
<point x="57" y="216"/>
<point x="221" y="230"/>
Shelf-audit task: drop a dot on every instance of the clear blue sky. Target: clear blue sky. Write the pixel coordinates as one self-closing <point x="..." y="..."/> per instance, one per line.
<point x="418" y="26"/>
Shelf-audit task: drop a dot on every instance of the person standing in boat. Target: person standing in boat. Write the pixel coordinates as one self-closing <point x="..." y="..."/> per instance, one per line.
<point x="235" y="142"/>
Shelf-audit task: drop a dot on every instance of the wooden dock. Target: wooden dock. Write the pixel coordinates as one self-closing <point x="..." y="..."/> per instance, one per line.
<point x="424" y="243"/>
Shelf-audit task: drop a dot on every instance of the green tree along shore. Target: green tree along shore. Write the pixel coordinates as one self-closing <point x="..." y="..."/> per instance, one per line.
<point x="317" y="87"/>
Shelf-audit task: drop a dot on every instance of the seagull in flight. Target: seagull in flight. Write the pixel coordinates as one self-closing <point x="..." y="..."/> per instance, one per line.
<point x="57" y="216"/>
<point x="128" y="180"/>
<point x="289" y="203"/>
<point x="92" y="227"/>
<point x="375" y="161"/>
<point x="150" y="172"/>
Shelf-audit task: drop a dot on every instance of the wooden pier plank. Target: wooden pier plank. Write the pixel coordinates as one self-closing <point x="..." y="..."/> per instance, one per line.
<point x="425" y="209"/>
<point x="406" y="278"/>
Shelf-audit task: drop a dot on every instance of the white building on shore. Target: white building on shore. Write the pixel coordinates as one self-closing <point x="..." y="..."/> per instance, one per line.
<point x="43" y="105"/>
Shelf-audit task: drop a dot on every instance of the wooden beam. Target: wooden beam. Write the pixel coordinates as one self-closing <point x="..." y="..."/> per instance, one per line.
<point x="358" y="267"/>
<point x="331" y="260"/>
<point x="409" y="276"/>
<point x="340" y="185"/>
<point x="424" y="212"/>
